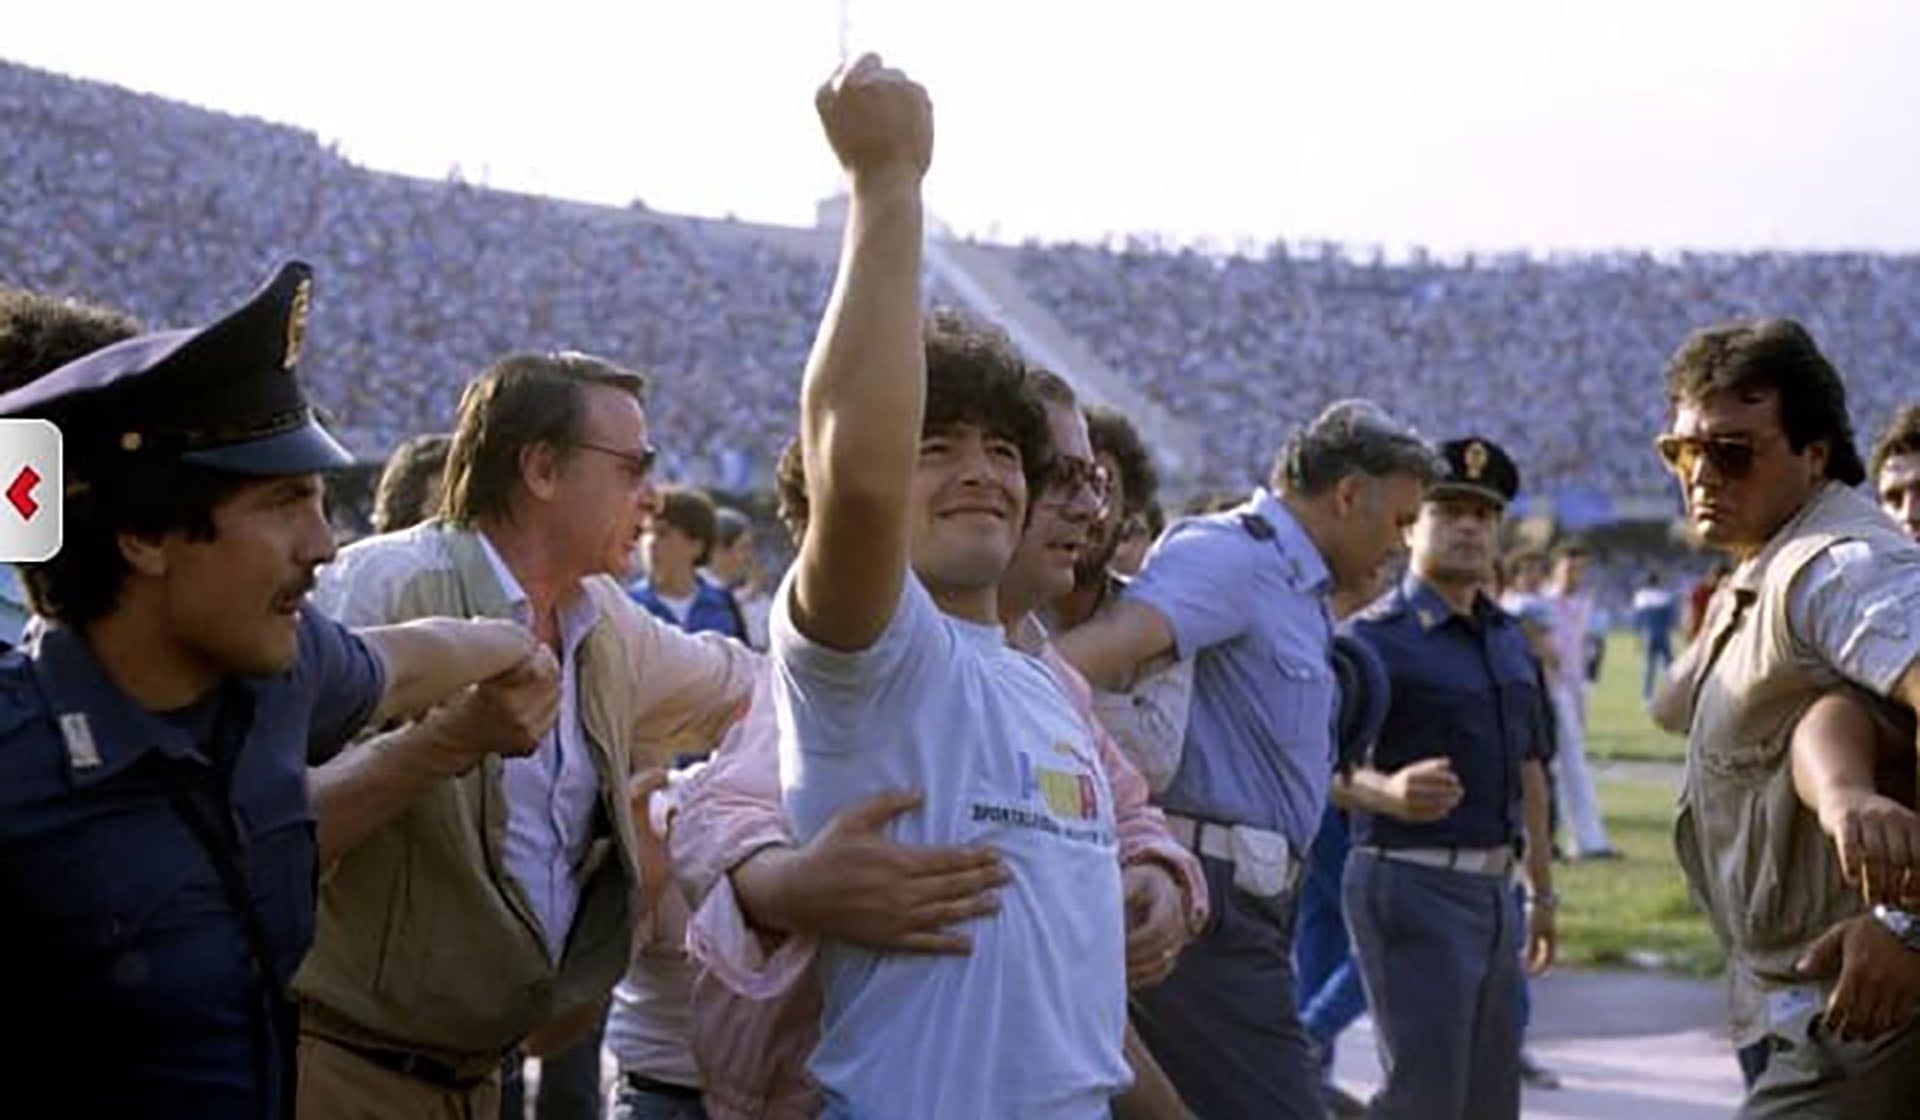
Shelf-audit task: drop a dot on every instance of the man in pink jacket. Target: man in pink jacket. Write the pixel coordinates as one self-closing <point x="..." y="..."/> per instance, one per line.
<point x="763" y="902"/>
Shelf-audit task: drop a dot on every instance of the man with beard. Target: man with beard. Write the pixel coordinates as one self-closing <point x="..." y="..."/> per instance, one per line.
<point x="1428" y="900"/>
<point x="1242" y="594"/>
<point x="1821" y="595"/>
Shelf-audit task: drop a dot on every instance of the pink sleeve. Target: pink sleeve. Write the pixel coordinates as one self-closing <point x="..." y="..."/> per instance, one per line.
<point x="753" y="1054"/>
<point x="1143" y="829"/>
<point x="725" y="813"/>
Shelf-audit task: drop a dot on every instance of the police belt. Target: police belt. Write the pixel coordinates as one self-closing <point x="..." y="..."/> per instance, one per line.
<point x="1264" y="863"/>
<point x="1493" y="862"/>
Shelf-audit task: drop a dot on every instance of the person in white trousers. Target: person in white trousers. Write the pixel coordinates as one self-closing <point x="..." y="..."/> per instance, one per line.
<point x="1572" y="608"/>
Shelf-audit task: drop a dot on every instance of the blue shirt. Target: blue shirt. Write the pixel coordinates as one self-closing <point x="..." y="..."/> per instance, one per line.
<point x="1244" y="592"/>
<point x="713" y="609"/>
<point x="1464" y="687"/>
<point x="130" y="984"/>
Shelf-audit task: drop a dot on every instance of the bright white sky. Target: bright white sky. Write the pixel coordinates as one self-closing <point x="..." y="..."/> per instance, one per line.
<point x="1470" y="123"/>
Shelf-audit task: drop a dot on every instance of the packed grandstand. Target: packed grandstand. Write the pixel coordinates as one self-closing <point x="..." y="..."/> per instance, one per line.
<point x="155" y="207"/>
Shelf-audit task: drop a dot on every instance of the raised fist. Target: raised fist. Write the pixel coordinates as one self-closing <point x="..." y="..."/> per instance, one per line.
<point x="878" y="120"/>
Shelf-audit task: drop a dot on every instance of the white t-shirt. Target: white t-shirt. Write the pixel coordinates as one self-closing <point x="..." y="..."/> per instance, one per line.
<point x="678" y="605"/>
<point x="650" y="1025"/>
<point x="1031" y="1023"/>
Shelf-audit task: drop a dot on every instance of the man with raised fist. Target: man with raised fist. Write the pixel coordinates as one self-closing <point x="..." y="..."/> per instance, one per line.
<point x="892" y="671"/>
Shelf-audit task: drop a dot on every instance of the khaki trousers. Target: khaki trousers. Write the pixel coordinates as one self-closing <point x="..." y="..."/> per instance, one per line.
<point x="338" y="1084"/>
<point x="1825" y="1079"/>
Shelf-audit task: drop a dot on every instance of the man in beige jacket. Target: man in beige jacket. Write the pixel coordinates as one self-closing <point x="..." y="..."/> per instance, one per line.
<point x="507" y="896"/>
<point x="1822" y="595"/>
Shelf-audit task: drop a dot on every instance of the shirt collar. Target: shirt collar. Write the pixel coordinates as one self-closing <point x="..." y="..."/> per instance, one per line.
<point x="103" y="730"/>
<point x="577" y="614"/>
<point x="1306" y="569"/>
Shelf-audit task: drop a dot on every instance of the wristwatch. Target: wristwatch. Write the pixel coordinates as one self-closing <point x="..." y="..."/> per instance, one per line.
<point x="1903" y="924"/>
<point x="1547" y="900"/>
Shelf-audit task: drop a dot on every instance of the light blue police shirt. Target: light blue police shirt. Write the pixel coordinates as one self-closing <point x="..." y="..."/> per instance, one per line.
<point x="1244" y="592"/>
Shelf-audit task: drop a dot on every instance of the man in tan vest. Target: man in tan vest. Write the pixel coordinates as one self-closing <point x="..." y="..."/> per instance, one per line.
<point x="1822" y="595"/>
<point x="506" y="898"/>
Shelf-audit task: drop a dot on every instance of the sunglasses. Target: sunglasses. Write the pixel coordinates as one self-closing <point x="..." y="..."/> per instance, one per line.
<point x="1731" y="457"/>
<point x="639" y="464"/>
<point x="1067" y="479"/>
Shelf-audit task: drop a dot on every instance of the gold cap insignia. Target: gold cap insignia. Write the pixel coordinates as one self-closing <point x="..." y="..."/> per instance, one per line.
<point x="297" y="324"/>
<point x="1476" y="460"/>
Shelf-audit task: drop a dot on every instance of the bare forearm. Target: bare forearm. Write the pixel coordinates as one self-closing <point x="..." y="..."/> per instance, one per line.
<point x="429" y="659"/>
<point x="865" y="387"/>
<point x="1153" y="1096"/>
<point x="1111" y="649"/>
<point x="1833" y="753"/>
<point x="865" y="383"/>
<point x="370" y="784"/>
<point x="1538" y="872"/>
<point x="759" y="887"/>
<point x="861" y="408"/>
<point x="1362" y="788"/>
<point x="1105" y="665"/>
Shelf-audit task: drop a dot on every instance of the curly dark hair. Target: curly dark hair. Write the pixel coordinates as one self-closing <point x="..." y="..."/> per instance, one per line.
<point x="1778" y="356"/>
<point x="975" y="377"/>
<point x="1902" y="437"/>
<point x="1113" y="434"/>
<point x="39" y="334"/>
<point x="521" y="401"/>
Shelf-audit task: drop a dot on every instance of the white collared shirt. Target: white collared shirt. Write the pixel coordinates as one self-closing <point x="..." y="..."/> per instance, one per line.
<point x="551" y="793"/>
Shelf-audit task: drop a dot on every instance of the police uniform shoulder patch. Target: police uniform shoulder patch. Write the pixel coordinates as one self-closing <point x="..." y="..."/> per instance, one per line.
<point x="1257" y="527"/>
<point x="297" y="324"/>
<point x="82" y="752"/>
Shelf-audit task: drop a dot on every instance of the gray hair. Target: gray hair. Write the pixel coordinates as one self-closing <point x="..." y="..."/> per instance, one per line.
<point x="1352" y="437"/>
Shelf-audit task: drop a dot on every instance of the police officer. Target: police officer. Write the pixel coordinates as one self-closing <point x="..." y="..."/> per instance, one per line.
<point x="1242" y="595"/>
<point x="1433" y="923"/>
<point x="158" y="848"/>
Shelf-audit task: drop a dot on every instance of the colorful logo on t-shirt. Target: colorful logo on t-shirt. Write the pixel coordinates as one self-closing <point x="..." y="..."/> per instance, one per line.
<point x="1068" y="793"/>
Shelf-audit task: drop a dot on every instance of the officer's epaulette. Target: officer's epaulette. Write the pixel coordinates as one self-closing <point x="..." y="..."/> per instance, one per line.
<point x="1387" y="608"/>
<point x="1257" y="527"/>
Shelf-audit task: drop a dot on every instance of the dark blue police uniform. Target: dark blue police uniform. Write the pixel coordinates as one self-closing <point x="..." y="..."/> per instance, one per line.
<point x="1430" y="904"/>
<point x="160" y="868"/>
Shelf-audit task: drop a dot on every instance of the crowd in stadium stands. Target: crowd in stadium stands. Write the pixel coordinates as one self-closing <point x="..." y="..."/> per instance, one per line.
<point x="424" y="283"/>
<point x="155" y="207"/>
<point x="1562" y="357"/>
